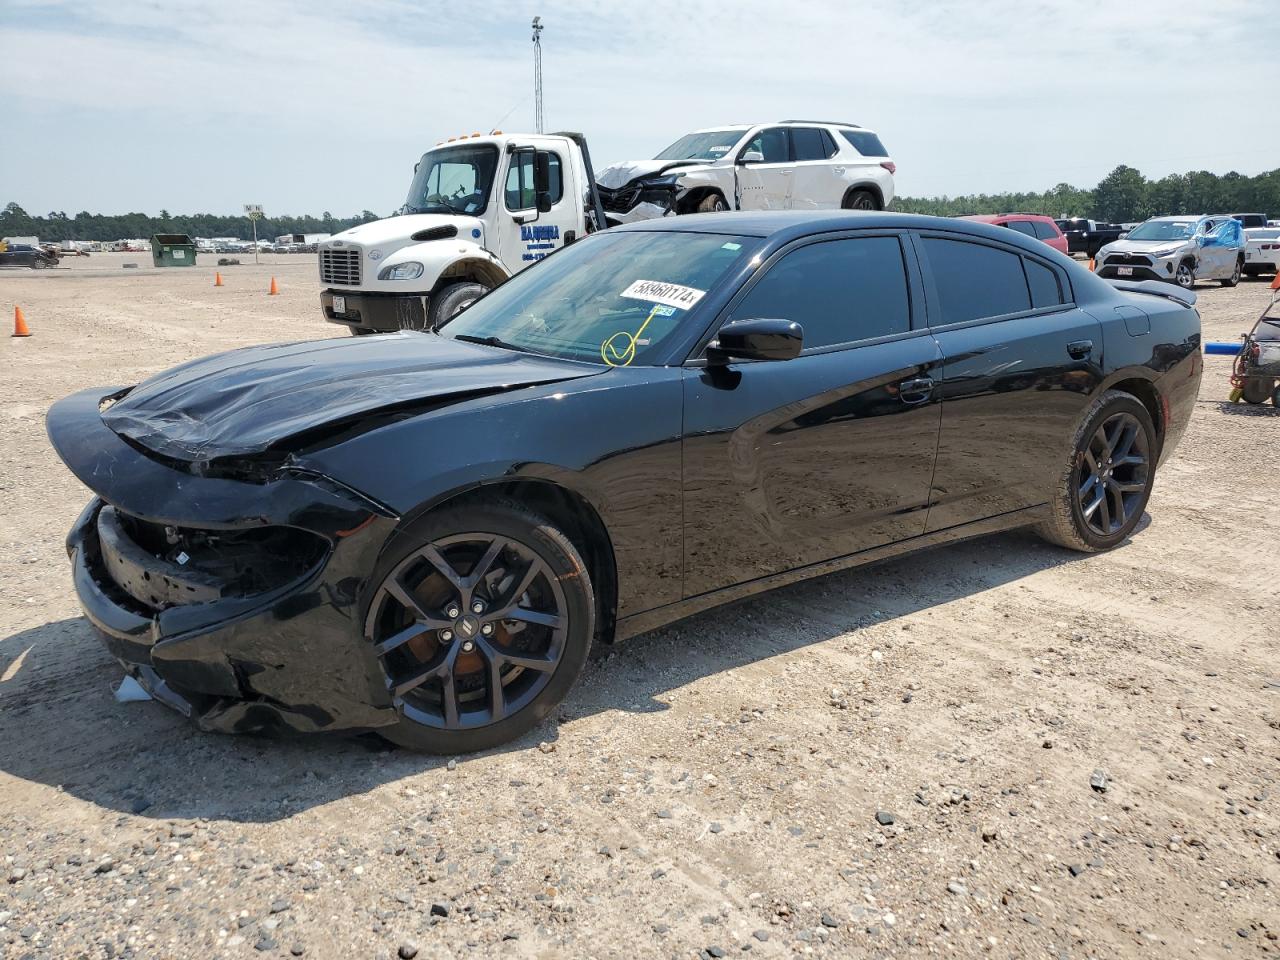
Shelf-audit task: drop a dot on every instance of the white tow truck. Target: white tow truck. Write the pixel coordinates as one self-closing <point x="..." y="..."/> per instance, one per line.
<point x="479" y="209"/>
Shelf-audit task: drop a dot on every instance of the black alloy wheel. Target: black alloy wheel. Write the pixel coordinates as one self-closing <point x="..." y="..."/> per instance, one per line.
<point x="1106" y="479"/>
<point x="861" y="200"/>
<point x="480" y="631"/>
<point x="1113" y="474"/>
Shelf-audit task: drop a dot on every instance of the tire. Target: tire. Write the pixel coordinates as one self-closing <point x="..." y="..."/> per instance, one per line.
<point x="451" y="301"/>
<point x="533" y="571"/>
<point x="1070" y="524"/>
<point x="712" y="203"/>
<point x="362" y="331"/>
<point x="1256" y="390"/>
<point x="861" y="200"/>
<point x="1235" y="276"/>
<point x="1185" y="276"/>
<point x="1275" y="397"/>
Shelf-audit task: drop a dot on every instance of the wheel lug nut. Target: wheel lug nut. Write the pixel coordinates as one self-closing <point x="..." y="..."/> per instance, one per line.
<point x="452" y="613"/>
<point x="486" y="629"/>
<point x="477" y="607"/>
<point x="468" y="646"/>
<point x="446" y="635"/>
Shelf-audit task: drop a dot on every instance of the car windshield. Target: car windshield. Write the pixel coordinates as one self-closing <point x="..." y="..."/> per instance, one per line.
<point x="453" y="180"/>
<point x="1164" y="230"/>
<point x="702" y="146"/>
<point x="611" y="298"/>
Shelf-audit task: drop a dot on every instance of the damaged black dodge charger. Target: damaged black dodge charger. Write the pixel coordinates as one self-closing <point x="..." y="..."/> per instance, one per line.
<point x="422" y="533"/>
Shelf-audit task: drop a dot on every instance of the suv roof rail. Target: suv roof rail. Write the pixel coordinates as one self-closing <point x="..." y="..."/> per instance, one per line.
<point x="834" y="123"/>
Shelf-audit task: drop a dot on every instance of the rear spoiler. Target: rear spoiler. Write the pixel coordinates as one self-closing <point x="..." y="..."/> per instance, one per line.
<point x="1157" y="288"/>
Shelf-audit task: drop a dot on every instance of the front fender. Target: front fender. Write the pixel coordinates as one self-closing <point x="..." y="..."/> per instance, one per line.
<point x="441" y="259"/>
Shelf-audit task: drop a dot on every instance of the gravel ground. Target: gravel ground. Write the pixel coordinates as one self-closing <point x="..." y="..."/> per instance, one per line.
<point x="995" y="749"/>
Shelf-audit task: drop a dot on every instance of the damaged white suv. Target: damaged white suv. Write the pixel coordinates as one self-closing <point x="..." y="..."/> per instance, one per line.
<point x="788" y="165"/>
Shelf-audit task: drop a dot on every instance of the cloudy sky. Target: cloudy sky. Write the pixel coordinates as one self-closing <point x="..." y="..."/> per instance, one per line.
<point x="313" y="105"/>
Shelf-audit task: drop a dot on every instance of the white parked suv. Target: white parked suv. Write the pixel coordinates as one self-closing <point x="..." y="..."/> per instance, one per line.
<point x="788" y="165"/>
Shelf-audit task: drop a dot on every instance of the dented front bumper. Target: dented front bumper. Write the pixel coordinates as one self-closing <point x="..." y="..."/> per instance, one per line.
<point x="234" y="602"/>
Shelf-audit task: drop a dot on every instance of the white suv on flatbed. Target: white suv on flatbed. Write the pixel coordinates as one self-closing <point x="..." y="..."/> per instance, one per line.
<point x="788" y="165"/>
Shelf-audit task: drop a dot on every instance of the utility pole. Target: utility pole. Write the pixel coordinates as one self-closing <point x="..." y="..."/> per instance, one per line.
<point x="537" y="72"/>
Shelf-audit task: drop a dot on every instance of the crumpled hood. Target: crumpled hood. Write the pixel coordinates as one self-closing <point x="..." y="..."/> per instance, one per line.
<point x="620" y="174"/>
<point x="246" y="401"/>
<point x="401" y="229"/>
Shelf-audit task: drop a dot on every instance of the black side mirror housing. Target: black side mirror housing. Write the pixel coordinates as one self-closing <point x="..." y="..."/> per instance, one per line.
<point x="756" y="340"/>
<point x="542" y="181"/>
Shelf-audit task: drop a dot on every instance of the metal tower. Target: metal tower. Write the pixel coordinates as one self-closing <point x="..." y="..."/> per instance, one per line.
<point x="537" y="72"/>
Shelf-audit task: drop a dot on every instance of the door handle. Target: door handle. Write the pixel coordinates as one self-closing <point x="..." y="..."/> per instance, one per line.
<point x="1079" y="349"/>
<point x="915" y="390"/>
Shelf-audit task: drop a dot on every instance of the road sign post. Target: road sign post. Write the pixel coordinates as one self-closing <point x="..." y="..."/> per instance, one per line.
<point x="254" y="212"/>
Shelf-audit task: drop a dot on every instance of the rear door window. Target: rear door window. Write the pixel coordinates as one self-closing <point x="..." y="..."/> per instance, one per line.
<point x="1022" y="226"/>
<point x="1044" y="231"/>
<point x="975" y="281"/>
<point x="807" y="144"/>
<point x="1046" y="291"/>
<point x="837" y="290"/>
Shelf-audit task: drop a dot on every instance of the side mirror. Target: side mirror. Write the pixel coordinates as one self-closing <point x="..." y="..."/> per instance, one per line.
<point x="751" y="156"/>
<point x="756" y="340"/>
<point x="542" y="181"/>
<point x="1124" y="234"/>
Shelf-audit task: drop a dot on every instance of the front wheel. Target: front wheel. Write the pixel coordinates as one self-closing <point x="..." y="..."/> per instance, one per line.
<point x="1235" y="276"/>
<point x="712" y="203"/>
<point x="1185" y="276"/>
<point x="1106" y="481"/>
<point x="451" y="301"/>
<point x="1256" y="390"/>
<point x="481" y="620"/>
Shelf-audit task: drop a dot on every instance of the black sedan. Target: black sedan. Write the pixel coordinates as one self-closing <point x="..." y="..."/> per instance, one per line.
<point x="422" y="533"/>
<point x="25" y="255"/>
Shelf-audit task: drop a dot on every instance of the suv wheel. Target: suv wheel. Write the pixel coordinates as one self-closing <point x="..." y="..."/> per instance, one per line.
<point x="1235" y="275"/>
<point x="481" y="620"/>
<point x="861" y="200"/>
<point x="712" y="203"/>
<point x="1185" y="275"/>
<point x="1106" y="481"/>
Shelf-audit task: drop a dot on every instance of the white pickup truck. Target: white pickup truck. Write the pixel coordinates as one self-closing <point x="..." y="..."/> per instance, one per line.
<point x="479" y="209"/>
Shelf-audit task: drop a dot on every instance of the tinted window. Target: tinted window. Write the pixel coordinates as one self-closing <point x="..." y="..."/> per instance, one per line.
<point x="807" y="144"/>
<point x="865" y="142"/>
<point x="1044" y="230"/>
<point x="772" y="143"/>
<point x="975" y="281"/>
<point x="1022" y="226"/>
<point x="1045" y="290"/>
<point x="838" y="291"/>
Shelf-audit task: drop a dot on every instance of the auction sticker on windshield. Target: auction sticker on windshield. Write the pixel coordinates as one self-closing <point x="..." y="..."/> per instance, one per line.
<point x="668" y="294"/>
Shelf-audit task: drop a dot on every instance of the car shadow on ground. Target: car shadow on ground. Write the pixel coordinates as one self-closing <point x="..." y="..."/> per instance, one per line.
<point x="60" y="724"/>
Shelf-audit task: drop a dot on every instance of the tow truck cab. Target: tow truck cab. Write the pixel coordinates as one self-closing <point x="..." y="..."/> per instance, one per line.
<point x="479" y="209"/>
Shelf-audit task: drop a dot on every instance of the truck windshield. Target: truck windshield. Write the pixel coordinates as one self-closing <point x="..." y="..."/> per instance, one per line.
<point x="1164" y="230"/>
<point x="612" y="298"/>
<point x="453" y="180"/>
<point x="702" y="146"/>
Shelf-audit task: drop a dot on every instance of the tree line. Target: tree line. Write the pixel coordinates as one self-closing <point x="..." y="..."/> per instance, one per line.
<point x="56" y="225"/>
<point x="1123" y="196"/>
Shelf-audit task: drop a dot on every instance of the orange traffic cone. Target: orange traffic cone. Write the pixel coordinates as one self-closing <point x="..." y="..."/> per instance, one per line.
<point x="1091" y="264"/>
<point x="217" y="279"/>
<point x="274" y="289"/>
<point x="1275" y="284"/>
<point x="20" y="328"/>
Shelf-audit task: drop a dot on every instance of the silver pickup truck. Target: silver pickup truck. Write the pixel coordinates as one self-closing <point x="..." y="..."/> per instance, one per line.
<point x="1178" y="250"/>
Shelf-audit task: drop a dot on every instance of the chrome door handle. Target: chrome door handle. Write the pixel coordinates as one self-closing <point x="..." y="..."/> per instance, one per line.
<point x="1079" y="349"/>
<point x="915" y="390"/>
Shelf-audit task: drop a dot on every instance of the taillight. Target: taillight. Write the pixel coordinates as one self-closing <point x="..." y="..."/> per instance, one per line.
<point x="890" y="166"/>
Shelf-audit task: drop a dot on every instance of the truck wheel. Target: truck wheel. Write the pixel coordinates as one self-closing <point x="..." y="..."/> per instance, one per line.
<point x="451" y="301"/>
<point x="861" y="200"/>
<point x="361" y="331"/>
<point x="712" y="203"/>
<point x="1185" y="276"/>
<point x="1235" y="276"/>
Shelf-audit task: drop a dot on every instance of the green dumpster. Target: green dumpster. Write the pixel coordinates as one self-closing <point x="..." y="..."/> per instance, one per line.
<point x="173" y="250"/>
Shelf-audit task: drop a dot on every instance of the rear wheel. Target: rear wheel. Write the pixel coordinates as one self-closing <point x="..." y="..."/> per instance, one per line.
<point x="1107" y="479"/>
<point x="1256" y="390"/>
<point x="451" y="301"/>
<point x="1235" y="276"/>
<point x="861" y="200"/>
<point x="482" y="621"/>
<point x="361" y="331"/>
<point x="712" y="203"/>
<point x="1185" y="276"/>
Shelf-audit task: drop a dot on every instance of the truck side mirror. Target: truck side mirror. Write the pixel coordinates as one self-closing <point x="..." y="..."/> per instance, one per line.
<point x="542" y="181"/>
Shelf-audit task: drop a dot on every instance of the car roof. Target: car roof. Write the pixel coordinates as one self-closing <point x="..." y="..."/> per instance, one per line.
<point x="783" y="123"/>
<point x="995" y="217"/>
<point x="1182" y="216"/>
<point x="790" y="224"/>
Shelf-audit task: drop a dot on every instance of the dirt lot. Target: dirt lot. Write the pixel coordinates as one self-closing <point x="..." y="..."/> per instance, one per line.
<point x="712" y="788"/>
